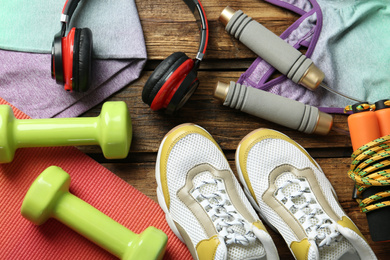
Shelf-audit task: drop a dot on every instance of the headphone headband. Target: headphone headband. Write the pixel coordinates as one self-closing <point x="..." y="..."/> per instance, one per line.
<point x="194" y="5"/>
<point x="67" y="12"/>
<point x="200" y="16"/>
<point x="175" y="78"/>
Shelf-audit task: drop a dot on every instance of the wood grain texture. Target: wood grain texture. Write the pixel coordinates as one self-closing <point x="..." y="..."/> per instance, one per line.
<point x="169" y="27"/>
<point x="227" y="125"/>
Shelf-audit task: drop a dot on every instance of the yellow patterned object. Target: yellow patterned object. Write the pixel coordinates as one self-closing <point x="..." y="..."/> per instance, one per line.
<point x="369" y="167"/>
<point x="365" y="106"/>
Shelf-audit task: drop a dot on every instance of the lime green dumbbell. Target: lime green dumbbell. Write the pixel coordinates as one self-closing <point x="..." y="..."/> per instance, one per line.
<point x="49" y="197"/>
<point x="111" y="130"/>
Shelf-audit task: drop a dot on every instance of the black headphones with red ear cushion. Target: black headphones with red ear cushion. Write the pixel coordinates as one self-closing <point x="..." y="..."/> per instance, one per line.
<point x="72" y="54"/>
<point x="82" y="56"/>
<point x="157" y="79"/>
<point x="175" y="79"/>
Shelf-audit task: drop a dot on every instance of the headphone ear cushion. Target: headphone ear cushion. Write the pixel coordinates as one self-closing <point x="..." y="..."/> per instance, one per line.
<point x="57" y="70"/>
<point x="82" y="55"/>
<point x="159" y="75"/>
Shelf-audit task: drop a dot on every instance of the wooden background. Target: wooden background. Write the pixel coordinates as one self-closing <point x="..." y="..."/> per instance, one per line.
<point x="168" y="27"/>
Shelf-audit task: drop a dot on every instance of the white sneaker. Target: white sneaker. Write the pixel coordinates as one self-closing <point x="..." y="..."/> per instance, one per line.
<point x="203" y="201"/>
<point x="291" y="193"/>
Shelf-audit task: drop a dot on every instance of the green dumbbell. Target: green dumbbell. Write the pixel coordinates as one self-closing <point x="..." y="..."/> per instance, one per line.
<point x="49" y="196"/>
<point x="111" y="130"/>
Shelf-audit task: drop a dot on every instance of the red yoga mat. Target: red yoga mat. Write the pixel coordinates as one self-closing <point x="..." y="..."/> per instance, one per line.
<point x="20" y="239"/>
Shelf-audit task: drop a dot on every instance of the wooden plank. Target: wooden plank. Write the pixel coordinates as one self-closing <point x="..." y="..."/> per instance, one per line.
<point x="221" y="65"/>
<point x="170" y="27"/>
<point x="228" y="126"/>
<point x="142" y="177"/>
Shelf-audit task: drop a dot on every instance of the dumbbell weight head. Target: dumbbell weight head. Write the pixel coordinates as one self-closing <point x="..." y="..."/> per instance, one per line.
<point x="49" y="197"/>
<point x="43" y="194"/>
<point x="112" y="130"/>
<point x="7" y="147"/>
<point x="149" y="245"/>
<point x="115" y="130"/>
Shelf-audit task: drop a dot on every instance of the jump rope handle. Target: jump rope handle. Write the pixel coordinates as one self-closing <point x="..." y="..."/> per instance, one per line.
<point x="274" y="108"/>
<point x="281" y="55"/>
<point x="365" y="126"/>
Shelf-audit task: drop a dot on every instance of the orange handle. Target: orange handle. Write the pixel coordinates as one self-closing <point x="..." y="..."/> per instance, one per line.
<point x="383" y="117"/>
<point x="364" y="128"/>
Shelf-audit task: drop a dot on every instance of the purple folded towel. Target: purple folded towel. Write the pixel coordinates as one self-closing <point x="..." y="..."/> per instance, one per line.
<point x="25" y="82"/>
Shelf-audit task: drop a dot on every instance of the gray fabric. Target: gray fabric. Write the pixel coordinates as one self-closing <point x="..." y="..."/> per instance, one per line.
<point x="353" y="49"/>
<point x="30" y="26"/>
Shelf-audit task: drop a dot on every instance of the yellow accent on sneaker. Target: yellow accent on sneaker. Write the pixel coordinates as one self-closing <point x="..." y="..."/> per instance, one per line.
<point x="254" y="137"/>
<point x="300" y="249"/>
<point x="169" y="141"/>
<point x="207" y="248"/>
<point x="260" y="225"/>
<point x="346" y="222"/>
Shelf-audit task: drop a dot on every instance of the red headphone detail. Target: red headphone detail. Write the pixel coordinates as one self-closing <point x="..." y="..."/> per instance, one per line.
<point x="166" y="92"/>
<point x="67" y="58"/>
<point x="71" y="54"/>
<point x="175" y="79"/>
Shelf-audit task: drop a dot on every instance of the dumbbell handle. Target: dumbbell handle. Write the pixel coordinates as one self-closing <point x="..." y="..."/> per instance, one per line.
<point x="281" y="55"/>
<point x="55" y="132"/>
<point x="49" y="197"/>
<point x="111" y="130"/>
<point x="93" y="224"/>
<point x="274" y="108"/>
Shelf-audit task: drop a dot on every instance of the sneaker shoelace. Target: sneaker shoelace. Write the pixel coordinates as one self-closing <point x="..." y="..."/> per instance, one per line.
<point x="223" y="214"/>
<point x="305" y="208"/>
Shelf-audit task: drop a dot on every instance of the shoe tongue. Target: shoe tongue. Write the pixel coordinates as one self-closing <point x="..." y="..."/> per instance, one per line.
<point x="234" y="251"/>
<point x="205" y="189"/>
<point x="339" y="246"/>
<point x="349" y="255"/>
<point x="252" y="251"/>
<point x="341" y="250"/>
